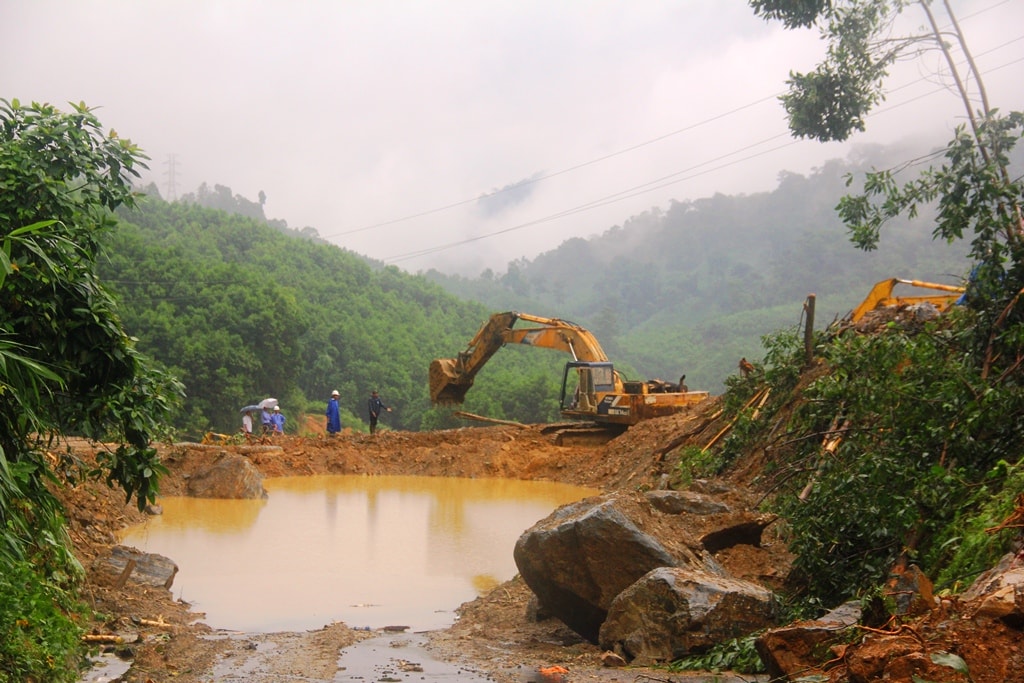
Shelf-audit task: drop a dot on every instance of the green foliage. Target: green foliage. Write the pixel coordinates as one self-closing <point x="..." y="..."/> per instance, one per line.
<point x="241" y="310"/>
<point x="928" y="416"/>
<point x="921" y="430"/>
<point x="799" y="14"/>
<point x="55" y="311"/>
<point x="970" y="193"/>
<point x="950" y="660"/>
<point x="738" y="654"/>
<point x="696" y="463"/>
<point x="39" y="636"/>
<point x="971" y="546"/>
<point x="830" y="102"/>
<point x="67" y="367"/>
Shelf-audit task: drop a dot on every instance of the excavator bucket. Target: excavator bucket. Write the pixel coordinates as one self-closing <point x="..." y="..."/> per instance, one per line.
<point x="447" y="385"/>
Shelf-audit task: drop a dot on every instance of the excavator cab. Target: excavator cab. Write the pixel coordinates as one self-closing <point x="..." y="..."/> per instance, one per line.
<point x="584" y="384"/>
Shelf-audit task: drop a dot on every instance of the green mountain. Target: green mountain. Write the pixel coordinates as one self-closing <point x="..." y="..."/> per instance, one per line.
<point x="691" y="289"/>
<point x="241" y="308"/>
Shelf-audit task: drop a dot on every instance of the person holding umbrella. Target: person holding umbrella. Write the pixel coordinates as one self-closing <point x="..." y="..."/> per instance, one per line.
<point x="266" y="420"/>
<point x="333" y="415"/>
<point x="375" y="405"/>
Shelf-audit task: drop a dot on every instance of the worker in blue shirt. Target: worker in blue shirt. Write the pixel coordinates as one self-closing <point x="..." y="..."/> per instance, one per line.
<point x="333" y="414"/>
<point x="277" y="418"/>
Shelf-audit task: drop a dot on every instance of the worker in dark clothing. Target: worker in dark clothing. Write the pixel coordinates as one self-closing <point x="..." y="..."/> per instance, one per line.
<point x="375" y="406"/>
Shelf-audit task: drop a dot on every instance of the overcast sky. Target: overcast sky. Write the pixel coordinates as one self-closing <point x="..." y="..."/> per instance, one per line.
<point x="380" y="123"/>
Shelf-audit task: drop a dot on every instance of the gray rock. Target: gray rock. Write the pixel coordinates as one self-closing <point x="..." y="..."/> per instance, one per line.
<point x="677" y="502"/>
<point x="999" y="592"/>
<point x="125" y="564"/>
<point x="675" y="611"/>
<point x="798" y="647"/>
<point x="580" y="557"/>
<point x="228" y="476"/>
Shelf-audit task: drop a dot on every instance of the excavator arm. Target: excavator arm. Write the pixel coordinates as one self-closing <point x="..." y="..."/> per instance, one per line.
<point x="882" y="295"/>
<point x="451" y="378"/>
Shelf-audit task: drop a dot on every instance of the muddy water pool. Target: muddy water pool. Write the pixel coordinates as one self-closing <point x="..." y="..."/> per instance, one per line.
<point x="368" y="551"/>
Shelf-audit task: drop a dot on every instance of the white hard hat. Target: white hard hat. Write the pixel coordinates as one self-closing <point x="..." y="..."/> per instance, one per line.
<point x="277" y="407"/>
<point x="335" y="393"/>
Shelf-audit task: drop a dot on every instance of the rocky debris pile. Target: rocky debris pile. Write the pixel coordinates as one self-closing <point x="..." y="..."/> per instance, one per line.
<point x="974" y="637"/>
<point x="646" y="575"/>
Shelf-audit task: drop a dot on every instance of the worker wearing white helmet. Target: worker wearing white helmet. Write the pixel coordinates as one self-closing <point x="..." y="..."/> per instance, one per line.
<point x="278" y="420"/>
<point x="333" y="414"/>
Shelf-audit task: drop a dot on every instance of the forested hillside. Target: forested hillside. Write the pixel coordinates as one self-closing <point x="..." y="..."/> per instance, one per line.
<point x="692" y="288"/>
<point x="240" y="310"/>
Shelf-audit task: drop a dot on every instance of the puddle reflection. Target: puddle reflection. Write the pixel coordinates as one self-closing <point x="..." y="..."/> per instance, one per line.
<point x="369" y="551"/>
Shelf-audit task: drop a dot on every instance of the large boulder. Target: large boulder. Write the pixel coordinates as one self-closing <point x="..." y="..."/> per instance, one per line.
<point x="583" y="555"/>
<point x="672" y="612"/>
<point x="579" y="558"/>
<point x="229" y="475"/>
<point x="123" y="564"/>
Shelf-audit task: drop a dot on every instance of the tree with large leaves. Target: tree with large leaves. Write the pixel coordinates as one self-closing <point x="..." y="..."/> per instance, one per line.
<point x="67" y="366"/>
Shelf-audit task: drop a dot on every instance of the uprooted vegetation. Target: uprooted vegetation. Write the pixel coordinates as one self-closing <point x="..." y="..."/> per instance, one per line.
<point x="893" y="446"/>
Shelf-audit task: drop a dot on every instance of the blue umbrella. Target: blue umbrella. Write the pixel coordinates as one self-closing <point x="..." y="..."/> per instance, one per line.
<point x="249" y="409"/>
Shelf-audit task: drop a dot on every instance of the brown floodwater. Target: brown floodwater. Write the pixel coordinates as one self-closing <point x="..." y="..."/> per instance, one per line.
<point x="369" y="551"/>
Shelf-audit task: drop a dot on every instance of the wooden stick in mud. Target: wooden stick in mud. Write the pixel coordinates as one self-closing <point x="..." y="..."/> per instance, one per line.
<point x="481" y="418"/>
<point x="157" y="623"/>
<point x="129" y="567"/>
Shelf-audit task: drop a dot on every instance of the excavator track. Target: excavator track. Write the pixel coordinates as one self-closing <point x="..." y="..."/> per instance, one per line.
<point x="581" y="434"/>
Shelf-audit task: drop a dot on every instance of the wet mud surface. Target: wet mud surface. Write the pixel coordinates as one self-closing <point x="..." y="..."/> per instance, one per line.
<point x="164" y="640"/>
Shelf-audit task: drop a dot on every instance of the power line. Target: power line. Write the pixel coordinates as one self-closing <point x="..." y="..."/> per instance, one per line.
<point x="656" y="184"/>
<point x="555" y="174"/>
<point x="569" y="169"/>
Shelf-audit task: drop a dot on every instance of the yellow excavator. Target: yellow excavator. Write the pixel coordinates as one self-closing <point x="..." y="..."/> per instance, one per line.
<point x="591" y="387"/>
<point x="881" y="295"/>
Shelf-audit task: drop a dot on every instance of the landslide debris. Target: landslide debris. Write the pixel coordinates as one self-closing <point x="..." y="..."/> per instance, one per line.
<point x="500" y="632"/>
